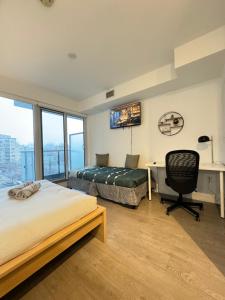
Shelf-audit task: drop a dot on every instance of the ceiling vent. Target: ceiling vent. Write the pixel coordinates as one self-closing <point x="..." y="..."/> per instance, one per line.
<point x="109" y="94"/>
<point x="47" y="3"/>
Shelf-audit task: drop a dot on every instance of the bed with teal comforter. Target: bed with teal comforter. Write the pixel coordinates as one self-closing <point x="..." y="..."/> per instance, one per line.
<point x="122" y="185"/>
<point x="114" y="176"/>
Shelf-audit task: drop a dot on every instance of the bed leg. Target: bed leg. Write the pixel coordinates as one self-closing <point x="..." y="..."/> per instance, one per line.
<point x="100" y="231"/>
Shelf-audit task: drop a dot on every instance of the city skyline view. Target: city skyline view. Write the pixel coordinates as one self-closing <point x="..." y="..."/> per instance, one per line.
<point x="17" y="157"/>
<point x="14" y="120"/>
<point x="11" y="115"/>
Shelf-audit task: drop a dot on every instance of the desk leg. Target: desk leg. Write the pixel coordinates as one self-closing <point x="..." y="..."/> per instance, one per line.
<point x="149" y="184"/>
<point x="221" y="195"/>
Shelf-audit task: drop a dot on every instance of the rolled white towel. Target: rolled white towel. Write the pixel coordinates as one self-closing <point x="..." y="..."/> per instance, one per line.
<point x="27" y="191"/>
<point x="13" y="191"/>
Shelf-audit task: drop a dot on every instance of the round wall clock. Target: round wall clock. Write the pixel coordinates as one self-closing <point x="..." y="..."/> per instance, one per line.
<point x="171" y="123"/>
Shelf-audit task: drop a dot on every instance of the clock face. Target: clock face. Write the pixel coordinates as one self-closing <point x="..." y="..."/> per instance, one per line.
<point x="47" y="2"/>
<point x="171" y="123"/>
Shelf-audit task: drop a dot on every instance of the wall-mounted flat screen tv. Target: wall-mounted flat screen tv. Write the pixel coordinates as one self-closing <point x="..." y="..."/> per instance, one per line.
<point x="125" y="115"/>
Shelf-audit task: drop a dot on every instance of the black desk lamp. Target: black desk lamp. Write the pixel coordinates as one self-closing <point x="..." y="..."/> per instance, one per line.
<point x="205" y="139"/>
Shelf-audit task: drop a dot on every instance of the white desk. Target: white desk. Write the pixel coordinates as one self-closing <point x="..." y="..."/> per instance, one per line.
<point x="208" y="167"/>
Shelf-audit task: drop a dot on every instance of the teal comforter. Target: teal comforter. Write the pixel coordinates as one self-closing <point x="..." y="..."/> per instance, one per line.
<point x="114" y="176"/>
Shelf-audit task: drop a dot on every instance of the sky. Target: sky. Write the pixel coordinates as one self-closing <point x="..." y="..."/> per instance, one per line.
<point x="18" y="122"/>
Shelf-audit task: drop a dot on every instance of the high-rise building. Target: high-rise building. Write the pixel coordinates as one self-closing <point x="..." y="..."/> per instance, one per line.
<point x="9" y="150"/>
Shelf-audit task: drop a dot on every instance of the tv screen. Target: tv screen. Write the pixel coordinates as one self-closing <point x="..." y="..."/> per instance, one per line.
<point x="125" y="115"/>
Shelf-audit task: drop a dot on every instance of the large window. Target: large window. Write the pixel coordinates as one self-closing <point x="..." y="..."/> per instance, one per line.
<point x="55" y="127"/>
<point x="75" y="141"/>
<point x="53" y="145"/>
<point x="51" y="151"/>
<point x="16" y="142"/>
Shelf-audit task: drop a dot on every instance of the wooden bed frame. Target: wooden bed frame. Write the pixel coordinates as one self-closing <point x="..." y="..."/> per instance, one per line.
<point x="20" y="268"/>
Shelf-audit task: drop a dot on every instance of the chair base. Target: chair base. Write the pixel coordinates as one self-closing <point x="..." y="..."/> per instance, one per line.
<point x="187" y="205"/>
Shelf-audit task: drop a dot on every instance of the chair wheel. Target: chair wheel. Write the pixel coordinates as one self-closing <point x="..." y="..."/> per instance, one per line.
<point x="167" y="212"/>
<point x="197" y="218"/>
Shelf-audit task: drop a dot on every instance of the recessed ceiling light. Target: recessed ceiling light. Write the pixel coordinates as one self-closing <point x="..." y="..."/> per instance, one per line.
<point x="72" y="55"/>
<point x="47" y="3"/>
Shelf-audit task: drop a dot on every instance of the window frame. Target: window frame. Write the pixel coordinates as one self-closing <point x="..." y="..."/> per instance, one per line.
<point x="33" y="108"/>
<point x="65" y="134"/>
<point x="84" y="136"/>
<point x="42" y="109"/>
<point x="37" y="107"/>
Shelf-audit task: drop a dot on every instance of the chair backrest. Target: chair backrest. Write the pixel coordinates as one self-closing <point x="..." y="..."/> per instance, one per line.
<point x="182" y="170"/>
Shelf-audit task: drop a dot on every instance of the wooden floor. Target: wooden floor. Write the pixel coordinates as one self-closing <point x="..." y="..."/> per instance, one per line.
<point x="148" y="255"/>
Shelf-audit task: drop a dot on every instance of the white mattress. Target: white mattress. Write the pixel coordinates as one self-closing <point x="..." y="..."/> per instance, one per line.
<point x="25" y="223"/>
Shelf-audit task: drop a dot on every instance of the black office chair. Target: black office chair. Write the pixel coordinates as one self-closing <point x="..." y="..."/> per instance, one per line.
<point x="182" y="176"/>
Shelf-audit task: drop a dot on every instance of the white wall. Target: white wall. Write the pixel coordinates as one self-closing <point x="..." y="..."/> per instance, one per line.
<point x="201" y="107"/>
<point x="222" y="118"/>
<point x="200" y="48"/>
<point x="26" y="91"/>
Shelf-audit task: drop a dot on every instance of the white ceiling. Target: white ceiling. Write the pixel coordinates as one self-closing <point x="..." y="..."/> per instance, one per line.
<point x="115" y="40"/>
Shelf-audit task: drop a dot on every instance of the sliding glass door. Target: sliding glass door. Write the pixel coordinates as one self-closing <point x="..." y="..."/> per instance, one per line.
<point x="53" y="149"/>
<point x="75" y="142"/>
<point x="16" y="142"/>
